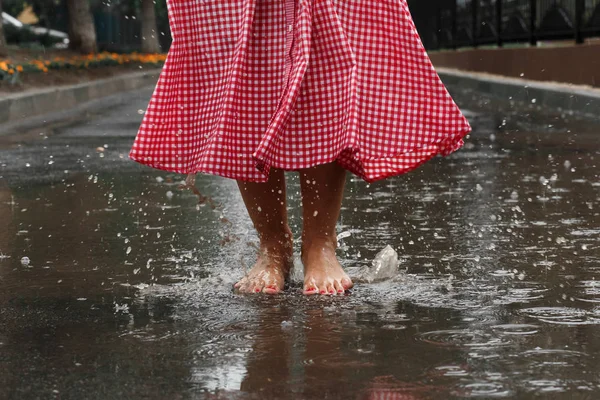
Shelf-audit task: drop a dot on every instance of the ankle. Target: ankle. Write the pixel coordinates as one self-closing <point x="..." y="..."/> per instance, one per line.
<point x="318" y="244"/>
<point x="278" y="242"/>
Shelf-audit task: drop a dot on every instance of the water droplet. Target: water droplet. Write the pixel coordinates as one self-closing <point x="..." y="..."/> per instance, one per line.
<point x="286" y="324"/>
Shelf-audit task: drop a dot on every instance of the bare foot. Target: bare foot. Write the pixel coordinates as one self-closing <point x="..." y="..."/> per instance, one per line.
<point x="270" y="272"/>
<point x="323" y="273"/>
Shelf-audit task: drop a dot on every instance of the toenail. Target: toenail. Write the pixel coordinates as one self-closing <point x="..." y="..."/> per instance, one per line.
<point x="332" y="292"/>
<point x="257" y="290"/>
<point x="323" y="292"/>
<point x="340" y="291"/>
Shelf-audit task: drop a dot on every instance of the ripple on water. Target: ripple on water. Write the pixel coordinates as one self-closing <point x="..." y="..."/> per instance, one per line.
<point x="586" y="232"/>
<point x="503" y="272"/>
<point x="563" y="315"/>
<point x="546" y="385"/>
<point x="544" y="358"/>
<point x="148" y="334"/>
<point x="516" y="329"/>
<point x="591" y="292"/>
<point x="463" y="338"/>
<point x="452" y="370"/>
<point x="486" y="389"/>
<point x="393" y="327"/>
<point x="529" y="292"/>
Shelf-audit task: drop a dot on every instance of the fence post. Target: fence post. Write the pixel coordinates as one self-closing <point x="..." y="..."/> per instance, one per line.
<point x="579" y="10"/>
<point x="474" y="20"/>
<point x="532" y="22"/>
<point x="454" y="17"/>
<point x="499" y="40"/>
<point x="438" y="28"/>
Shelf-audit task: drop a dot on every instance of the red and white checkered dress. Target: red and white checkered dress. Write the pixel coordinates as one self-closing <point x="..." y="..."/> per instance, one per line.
<point x="254" y="84"/>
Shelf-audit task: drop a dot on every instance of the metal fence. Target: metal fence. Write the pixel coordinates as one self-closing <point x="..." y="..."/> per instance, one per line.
<point x="116" y="32"/>
<point x="446" y="24"/>
<point x="119" y="28"/>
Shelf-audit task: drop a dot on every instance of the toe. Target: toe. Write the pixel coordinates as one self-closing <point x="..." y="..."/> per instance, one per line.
<point x="244" y="288"/>
<point x="271" y="289"/>
<point x="241" y="286"/>
<point x="310" y="290"/>
<point x="347" y="283"/>
<point x="257" y="287"/>
<point x="310" y="286"/>
<point x="330" y="288"/>
<point x="240" y="283"/>
<point x="250" y="286"/>
<point x="339" y="288"/>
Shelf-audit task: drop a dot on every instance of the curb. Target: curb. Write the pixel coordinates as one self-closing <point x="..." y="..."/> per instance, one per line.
<point x="22" y="106"/>
<point x="20" y="109"/>
<point x="560" y="96"/>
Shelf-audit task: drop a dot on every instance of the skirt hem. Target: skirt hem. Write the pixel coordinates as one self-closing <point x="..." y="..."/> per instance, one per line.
<point x="369" y="169"/>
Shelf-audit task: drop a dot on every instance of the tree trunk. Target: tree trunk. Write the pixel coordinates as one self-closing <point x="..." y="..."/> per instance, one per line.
<point x="3" y="49"/>
<point x="150" y="43"/>
<point x="82" y="32"/>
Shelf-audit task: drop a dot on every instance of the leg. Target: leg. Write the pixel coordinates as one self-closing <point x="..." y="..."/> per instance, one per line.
<point x="322" y="193"/>
<point x="266" y="204"/>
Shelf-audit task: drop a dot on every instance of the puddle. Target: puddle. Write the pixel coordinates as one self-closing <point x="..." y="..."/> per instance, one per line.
<point x="492" y="293"/>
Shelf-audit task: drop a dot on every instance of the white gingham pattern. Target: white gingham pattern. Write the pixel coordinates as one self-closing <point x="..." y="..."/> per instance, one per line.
<point x="254" y="84"/>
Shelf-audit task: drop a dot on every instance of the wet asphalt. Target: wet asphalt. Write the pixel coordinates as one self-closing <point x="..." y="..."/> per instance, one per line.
<point x="125" y="291"/>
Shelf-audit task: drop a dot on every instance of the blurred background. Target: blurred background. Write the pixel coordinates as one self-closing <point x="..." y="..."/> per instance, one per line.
<point x="529" y="39"/>
<point x="119" y="25"/>
<point x="115" y="284"/>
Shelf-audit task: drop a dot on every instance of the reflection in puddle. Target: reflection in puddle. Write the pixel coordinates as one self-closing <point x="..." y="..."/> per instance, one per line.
<point x="496" y="293"/>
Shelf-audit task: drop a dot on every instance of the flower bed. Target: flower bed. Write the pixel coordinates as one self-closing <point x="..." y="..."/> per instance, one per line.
<point x="11" y="71"/>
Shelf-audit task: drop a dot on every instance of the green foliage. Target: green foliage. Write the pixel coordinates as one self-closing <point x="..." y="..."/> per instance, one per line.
<point x="12" y="79"/>
<point x="12" y="72"/>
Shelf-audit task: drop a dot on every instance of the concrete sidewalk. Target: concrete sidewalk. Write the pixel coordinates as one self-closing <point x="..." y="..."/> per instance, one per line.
<point x="55" y="103"/>
<point x="568" y="62"/>
<point x="559" y="96"/>
<point x="23" y="111"/>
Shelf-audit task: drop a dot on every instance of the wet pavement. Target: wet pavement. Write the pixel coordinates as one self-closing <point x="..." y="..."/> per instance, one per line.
<point x="127" y="293"/>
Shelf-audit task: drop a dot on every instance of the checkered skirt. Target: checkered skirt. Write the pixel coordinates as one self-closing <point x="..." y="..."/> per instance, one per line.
<point x="250" y="85"/>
